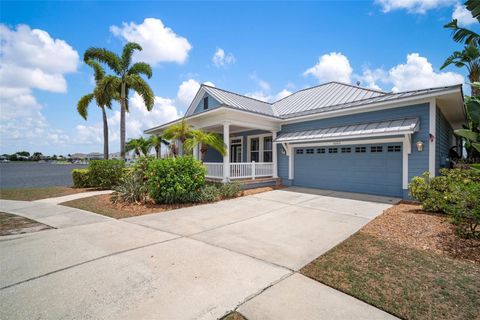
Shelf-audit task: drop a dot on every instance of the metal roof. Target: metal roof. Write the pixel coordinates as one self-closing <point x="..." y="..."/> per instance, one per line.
<point x="389" y="127"/>
<point x="325" y="95"/>
<point x="238" y="101"/>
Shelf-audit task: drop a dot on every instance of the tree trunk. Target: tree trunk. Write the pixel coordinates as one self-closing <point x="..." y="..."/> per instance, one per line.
<point x="157" y="151"/>
<point x="105" y="133"/>
<point x="123" y="99"/>
<point x="203" y="152"/>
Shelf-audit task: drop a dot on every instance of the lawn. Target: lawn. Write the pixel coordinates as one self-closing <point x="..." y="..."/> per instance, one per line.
<point x="38" y="193"/>
<point x="101" y="204"/>
<point x="409" y="263"/>
<point x="12" y="224"/>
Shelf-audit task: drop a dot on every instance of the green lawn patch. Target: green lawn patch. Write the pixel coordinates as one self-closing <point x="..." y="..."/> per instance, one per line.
<point x="401" y="279"/>
<point x="38" y="193"/>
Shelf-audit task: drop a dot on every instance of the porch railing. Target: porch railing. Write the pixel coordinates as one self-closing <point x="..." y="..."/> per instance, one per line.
<point x="240" y="170"/>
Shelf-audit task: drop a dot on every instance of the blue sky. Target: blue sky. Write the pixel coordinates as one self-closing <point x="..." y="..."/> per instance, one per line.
<point x="263" y="49"/>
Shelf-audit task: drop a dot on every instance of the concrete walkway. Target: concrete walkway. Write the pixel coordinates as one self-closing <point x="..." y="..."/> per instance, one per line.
<point x="192" y="263"/>
<point x="58" y="200"/>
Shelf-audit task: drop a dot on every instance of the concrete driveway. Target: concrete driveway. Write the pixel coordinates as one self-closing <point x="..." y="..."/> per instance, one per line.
<point x="192" y="263"/>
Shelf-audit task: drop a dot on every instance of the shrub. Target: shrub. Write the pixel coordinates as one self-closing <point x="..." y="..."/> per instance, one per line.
<point x="106" y="174"/>
<point x="229" y="190"/>
<point x="209" y="193"/>
<point x="132" y="189"/>
<point x="175" y="180"/>
<point x="463" y="205"/>
<point x="81" y="178"/>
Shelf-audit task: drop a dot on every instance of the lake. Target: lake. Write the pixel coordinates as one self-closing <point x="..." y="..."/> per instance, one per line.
<point x="36" y="175"/>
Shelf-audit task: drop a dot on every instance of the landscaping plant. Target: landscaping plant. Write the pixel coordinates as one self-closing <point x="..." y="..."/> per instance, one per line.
<point x="133" y="185"/>
<point x="106" y="174"/>
<point x="229" y="190"/>
<point x="81" y="178"/>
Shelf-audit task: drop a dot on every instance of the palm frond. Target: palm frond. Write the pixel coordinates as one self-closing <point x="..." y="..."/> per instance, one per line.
<point x="128" y="50"/>
<point x="461" y="34"/>
<point x="104" y="56"/>
<point x="136" y="83"/>
<point x="98" y="72"/>
<point x="82" y="105"/>
<point x="474" y="7"/>
<point x="141" y="68"/>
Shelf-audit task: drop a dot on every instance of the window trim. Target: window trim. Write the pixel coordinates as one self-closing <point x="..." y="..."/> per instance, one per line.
<point x="241" y="145"/>
<point x="205" y="103"/>
<point x="261" y="147"/>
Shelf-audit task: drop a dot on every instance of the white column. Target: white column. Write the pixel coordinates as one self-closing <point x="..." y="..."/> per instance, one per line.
<point x="290" y="162"/>
<point x="226" y="157"/>
<point x="432" y="130"/>
<point x="274" y="155"/>
<point x="195" y="152"/>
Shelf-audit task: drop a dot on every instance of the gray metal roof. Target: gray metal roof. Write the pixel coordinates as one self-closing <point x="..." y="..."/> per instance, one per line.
<point x="325" y="95"/>
<point x="238" y="101"/>
<point x="390" y="127"/>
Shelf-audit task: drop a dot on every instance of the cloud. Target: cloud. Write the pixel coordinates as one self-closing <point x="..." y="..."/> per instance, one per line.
<point x="413" y="6"/>
<point x="370" y="78"/>
<point x="159" y="43"/>
<point x="418" y="73"/>
<point x="463" y="16"/>
<point x="331" y="67"/>
<point x="222" y="59"/>
<point x="30" y="59"/>
<point x="187" y="90"/>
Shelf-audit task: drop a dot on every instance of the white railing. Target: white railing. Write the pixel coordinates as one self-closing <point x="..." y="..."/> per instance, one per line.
<point x="240" y="170"/>
<point x="214" y="170"/>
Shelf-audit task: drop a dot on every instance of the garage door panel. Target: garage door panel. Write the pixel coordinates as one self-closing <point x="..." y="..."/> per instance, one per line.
<point x="369" y="172"/>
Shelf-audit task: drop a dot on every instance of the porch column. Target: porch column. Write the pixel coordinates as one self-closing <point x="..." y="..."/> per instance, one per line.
<point x="274" y="155"/>
<point x="226" y="157"/>
<point x="195" y="152"/>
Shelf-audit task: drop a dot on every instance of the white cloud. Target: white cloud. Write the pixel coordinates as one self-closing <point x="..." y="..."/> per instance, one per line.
<point x="222" y="59"/>
<point x="463" y="16"/>
<point x="370" y="78"/>
<point x="282" y="94"/>
<point x="413" y="6"/>
<point x="418" y="73"/>
<point x="30" y="59"/>
<point x="264" y="96"/>
<point x="159" y="43"/>
<point x="187" y="90"/>
<point x="331" y="67"/>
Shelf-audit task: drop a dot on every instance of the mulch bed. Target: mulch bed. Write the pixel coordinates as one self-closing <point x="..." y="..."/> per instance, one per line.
<point x="11" y="224"/>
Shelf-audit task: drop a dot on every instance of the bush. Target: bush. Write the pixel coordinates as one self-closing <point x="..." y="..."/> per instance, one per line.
<point x="229" y="190"/>
<point x="106" y="174"/>
<point x="455" y="192"/>
<point x="132" y="189"/>
<point x="209" y="193"/>
<point x="81" y="178"/>
<point x="175" y="180"/>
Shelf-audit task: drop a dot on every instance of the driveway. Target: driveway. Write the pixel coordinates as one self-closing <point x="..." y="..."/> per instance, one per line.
<point x="193" y="263"/>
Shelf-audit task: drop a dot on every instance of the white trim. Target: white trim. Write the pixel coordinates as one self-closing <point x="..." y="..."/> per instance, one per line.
<point x="274" y="155"/>
<point x="336" y="143"/>
<point x="405" y="152"/>
<point x="241" y="145"/>
<point x="432" y="130"/>
<point x="291" y="157"/>
<point x="367" y="135"/>
<point x="226" y="157"/>
<point x="260" y="147"/>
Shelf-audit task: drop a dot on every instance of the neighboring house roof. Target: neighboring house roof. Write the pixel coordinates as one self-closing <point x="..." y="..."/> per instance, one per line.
<point x="322" y="98"/>
<point x="391" y="127"/>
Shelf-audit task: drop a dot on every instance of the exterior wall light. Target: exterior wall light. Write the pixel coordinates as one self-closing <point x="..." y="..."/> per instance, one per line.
<point x="419" y="146"/>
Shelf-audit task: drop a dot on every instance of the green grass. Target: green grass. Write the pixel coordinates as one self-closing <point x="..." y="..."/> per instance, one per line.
<point x="37" y="193"/>
<point x="406" y="282"/>
<point x="476" y="166"/>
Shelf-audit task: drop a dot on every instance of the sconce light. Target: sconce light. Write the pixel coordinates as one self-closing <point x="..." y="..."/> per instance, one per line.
<point x="419" y="146"/>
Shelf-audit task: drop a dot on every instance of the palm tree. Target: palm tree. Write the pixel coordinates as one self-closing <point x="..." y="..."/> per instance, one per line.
<point x="127" y="77"/>
<point x="205" y="140"/>
<point x="137" y="145"/>
<point x="103" y="100"/>
<point x="462" y="34"/>
<point x="156" y="142"/>
<point x="179" y="131"/>
<point x="468" y="58"/>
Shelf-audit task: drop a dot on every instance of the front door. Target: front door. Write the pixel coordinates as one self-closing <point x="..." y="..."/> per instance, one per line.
<point x="236" y="150"/>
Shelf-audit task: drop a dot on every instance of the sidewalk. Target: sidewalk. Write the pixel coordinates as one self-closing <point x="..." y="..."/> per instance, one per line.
<point x="58" y="200"/>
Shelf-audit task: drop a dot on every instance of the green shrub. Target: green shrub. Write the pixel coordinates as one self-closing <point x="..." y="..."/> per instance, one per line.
<point x="229" y="190"/>
<point x="81" y="178"/>
<point x="106" y="174"/>
<point x="175" y="180"/>
<point x="463" y="205"/>
<point x="209" y="193"/>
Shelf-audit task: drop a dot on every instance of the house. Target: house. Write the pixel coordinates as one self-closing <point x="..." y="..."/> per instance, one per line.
<point x="333" y="136"/>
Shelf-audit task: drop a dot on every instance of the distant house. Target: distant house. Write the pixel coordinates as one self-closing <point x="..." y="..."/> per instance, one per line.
<point x="116" y="155"/>
<point x="78" y="156"/>
<point x="94" y="156"/>
<point x="333" y="136"/>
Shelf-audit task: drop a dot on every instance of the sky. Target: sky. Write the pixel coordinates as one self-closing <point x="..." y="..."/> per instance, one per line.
<point x="265" y="50"/>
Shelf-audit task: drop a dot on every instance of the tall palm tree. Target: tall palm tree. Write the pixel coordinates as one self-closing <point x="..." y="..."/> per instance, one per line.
<point x="462" y="34"/>
<point x="102" y="98"/>
<point x="468" y="58"/>
<point x="127" y="77"/>
<point x="179" y="131"/>
<point x="156" y="142"/>
<point x="205" y="140"/>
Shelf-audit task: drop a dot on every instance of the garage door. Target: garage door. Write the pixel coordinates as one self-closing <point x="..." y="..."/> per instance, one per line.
<point x="374" y="169"/>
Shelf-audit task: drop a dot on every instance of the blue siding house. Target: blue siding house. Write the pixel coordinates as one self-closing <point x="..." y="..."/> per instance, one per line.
<point x="333" y="136"/>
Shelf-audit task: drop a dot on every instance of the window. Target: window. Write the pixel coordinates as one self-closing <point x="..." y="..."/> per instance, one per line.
<point x="376" y="149"/>
<point x="332" y="150"/>
<point x="394" y="149"/>
<point x="299" y="151"/>
<point x="255" y="149"/>
<point x="267" y="149"/>
<point x="346" y="150"/>
<point x="360" y="149"/>
<point x="321" y="150"/>
<point x="309" y="151"/>
<point x="205" y="103"/>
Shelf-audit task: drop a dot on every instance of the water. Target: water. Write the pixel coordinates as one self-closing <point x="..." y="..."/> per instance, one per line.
<point x="36" y="175"/>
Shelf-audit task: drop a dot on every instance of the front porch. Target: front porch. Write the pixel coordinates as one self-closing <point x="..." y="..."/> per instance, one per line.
<point x="239" y="170"/>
